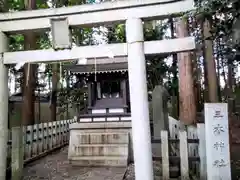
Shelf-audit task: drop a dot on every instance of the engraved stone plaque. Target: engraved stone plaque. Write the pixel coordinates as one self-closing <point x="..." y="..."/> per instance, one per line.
<point x="217" y="141"/>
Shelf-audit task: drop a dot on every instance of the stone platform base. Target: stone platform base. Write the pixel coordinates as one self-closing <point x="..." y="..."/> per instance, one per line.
<point x="100" y="144"/>
<point x="100" y="161"/>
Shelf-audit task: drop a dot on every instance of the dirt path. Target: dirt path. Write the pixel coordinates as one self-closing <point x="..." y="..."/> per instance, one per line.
<point x="56" y="167"/>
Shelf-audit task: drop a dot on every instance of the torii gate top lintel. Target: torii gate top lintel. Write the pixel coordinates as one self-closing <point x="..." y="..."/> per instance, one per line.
<point x="93" y="14"/>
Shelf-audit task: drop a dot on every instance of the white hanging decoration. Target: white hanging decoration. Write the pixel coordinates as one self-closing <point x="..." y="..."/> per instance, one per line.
<point x="82" y="61"/>
<point x="19" y="65"/>
<point x="110" y="54"/>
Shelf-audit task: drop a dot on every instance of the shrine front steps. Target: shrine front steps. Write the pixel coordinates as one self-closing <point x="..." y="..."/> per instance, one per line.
<point x="100" y="161"/>
<point x="101" y="149"/>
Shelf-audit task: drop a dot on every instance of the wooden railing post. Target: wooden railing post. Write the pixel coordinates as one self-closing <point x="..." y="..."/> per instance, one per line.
<point x="45" y="137"/>
<point x="165" y="155"/>
<point x="29" y="136"/>
<point x="202" y="151"/>
<point x="57" y="133"/>
<point x="53" y="134"/>
<point x="184" y="155"/>
<point x="68" y="133"/>
<point x="65" y="131"/>
<point x="50" y="134"/>
<point x="41" y="138"/>
<point x="35" y="140"/>
<point x="24" y="131"/>
<point x="62" y="131"/>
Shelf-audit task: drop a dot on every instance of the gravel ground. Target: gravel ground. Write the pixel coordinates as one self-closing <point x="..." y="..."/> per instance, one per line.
<point x="57" y="167"/>
<point x="156" y="169"/>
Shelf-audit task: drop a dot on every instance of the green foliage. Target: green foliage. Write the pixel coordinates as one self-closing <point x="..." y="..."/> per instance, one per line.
<point x="75" y="97"/>
<point x="223" y="15"/>
<point x="116" y="33"/>
<point x="16" y="42"/>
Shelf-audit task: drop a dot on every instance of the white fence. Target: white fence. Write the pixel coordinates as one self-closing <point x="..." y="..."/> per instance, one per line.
<point x="38" y="140"/>
<point x="192" y="133"/>
<point x="190" y="150"/>
<point x="186" y="142"/>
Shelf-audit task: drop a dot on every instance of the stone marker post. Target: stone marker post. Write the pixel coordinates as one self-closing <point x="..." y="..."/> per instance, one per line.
<point x="217" y="141"/>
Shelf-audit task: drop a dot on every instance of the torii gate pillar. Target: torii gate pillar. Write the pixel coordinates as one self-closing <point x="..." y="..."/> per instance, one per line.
<point x="3" y="107"/>
<point x="142" y="150"/>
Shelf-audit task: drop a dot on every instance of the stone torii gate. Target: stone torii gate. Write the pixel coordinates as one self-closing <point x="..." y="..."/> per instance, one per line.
<point x="133" y="12"/>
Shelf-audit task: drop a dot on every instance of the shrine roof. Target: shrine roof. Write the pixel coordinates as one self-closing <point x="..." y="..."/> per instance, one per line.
<point x="100" y="68"/>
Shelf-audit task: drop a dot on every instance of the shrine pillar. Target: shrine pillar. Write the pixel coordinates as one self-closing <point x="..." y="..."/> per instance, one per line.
<point x="90" y="94"/>
<point x="3" y="107"/>
<point x="124" y="93"/>
<point x="142" y="151"/>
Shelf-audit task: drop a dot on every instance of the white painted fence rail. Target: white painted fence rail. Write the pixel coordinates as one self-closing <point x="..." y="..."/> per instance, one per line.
<point x="191" y="159"/>
<point x="213" y="143"/>
<point x="187" y="144"/>
<point x="38" y="140"/>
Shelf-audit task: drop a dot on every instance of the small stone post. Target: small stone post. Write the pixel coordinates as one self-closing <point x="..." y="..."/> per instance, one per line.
<point x="160" y="111"/>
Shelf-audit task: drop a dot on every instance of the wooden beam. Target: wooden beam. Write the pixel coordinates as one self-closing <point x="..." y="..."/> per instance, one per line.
<point x="117" y="11"/>
<point x="98" y="51"/>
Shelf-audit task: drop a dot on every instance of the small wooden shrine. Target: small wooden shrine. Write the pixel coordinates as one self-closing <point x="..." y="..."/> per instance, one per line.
<point x="108" y="91"/>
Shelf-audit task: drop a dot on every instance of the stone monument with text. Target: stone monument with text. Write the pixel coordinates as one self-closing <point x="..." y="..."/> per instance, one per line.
<point x="217" y="141"/>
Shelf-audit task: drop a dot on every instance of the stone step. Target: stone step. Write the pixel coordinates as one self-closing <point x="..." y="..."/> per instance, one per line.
<point x="103" y="138"/>
<point x="96" y="161"/>
<point x="101" y="150"/>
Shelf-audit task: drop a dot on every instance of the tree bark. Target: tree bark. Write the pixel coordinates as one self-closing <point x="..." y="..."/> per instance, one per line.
<point x="187" y="106"/>
<point x="53" y="107"/>
<point x="218" y="67"/>
<point x="206" y="88"/>
<point x="196" y="71"/>
<point x="231" y="105"/>
<point x="4" y="6"/>
<point x="210" y="63"/>
<point x="29" y="75"/>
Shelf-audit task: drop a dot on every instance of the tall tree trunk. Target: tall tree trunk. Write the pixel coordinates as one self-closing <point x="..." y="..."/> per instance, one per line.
<point x="175" y="105"/>
<point x="196" y="68"/>
<point x="4" y="6"/>
<point x="206" y="88"/>
<point x="29" y="75"/>
<point x="220" y="57"/>
<point x="187" y="104"/>
<point x="55" y="69"/>
<point x="210" y="63"/>
<point x="196" y="82"/>
<point x="231" y="105"/>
